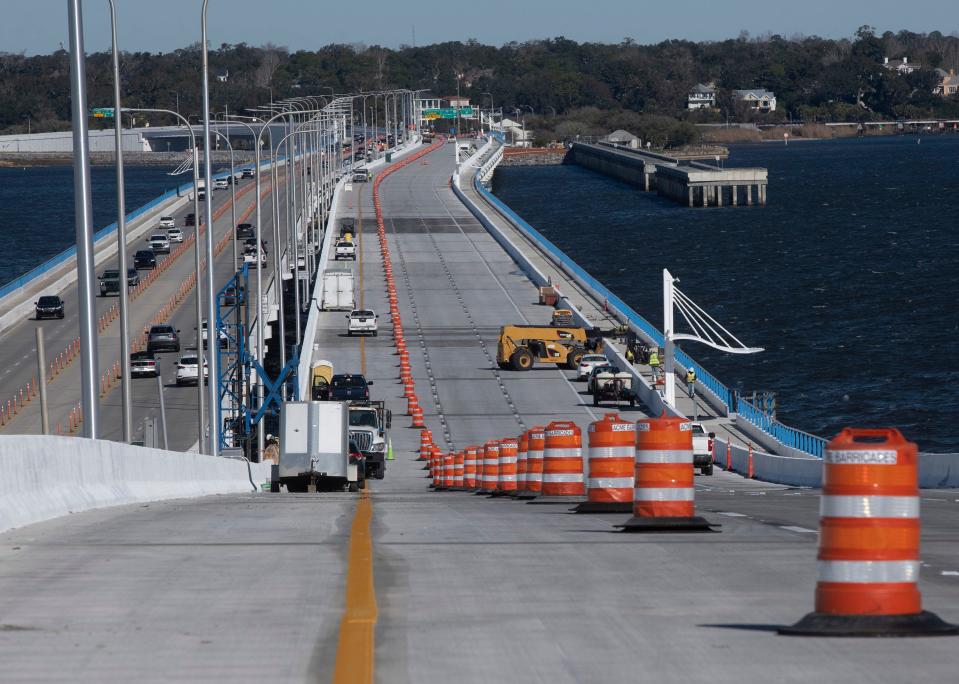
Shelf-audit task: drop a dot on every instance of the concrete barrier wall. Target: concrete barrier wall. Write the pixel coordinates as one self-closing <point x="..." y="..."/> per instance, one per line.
<point x="44" y="477"/>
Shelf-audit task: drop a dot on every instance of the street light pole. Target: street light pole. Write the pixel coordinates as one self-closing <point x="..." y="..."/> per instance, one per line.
<point x="83" y="209"/>
<point x="126" y="399"/>
<point x="213" y="384"/>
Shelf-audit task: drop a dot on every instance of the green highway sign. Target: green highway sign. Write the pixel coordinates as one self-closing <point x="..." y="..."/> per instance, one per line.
<point x="102" y="112"/>
<point x="446" y="113"/>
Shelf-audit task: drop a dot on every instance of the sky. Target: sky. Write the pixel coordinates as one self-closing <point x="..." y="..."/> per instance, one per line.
<point x="40" y="26"/>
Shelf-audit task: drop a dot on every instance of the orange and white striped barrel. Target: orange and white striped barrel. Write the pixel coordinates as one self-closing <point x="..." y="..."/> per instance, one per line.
<point x="490" y="479"/>
<point x="426" y="444"/>
<point x="534" y="459"/>
<point x="446" y="479"/>
<point x="612" y="457"/>
<point x="508" y="449"/>
<point x="470" y="467"/>
<point x="869" y="525"/>
<point x="521" y="455"/>
<point x="664" y="469"/>
<point x="458" y="466"/>
<point x="563" y="460"/>
<point x="436" y="464"/>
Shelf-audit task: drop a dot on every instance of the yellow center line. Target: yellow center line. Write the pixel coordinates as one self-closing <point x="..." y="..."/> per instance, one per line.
<point x="354" y="650"/>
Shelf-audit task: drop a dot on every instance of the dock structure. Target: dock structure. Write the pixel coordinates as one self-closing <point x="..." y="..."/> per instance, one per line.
<point x="691" y="183"/>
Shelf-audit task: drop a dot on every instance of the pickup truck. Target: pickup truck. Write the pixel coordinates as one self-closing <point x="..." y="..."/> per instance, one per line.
<point x="703" y="449"/>
<point x="345" y="250"/>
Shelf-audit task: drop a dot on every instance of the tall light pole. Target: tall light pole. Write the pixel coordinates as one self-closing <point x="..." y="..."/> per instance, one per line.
<point x="213" y="384"/>
<point x="126" y="400"/>
<point x="491" y="107"/>
<point x="83" y="209"/>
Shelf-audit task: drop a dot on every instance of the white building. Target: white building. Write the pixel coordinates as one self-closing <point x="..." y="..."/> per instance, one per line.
<point x="948" y="83"/>
<point x="901" y="66"/>
<point x="702" y="96"/>
<point x="758" y="99"/>
<point x="516" y="133"/>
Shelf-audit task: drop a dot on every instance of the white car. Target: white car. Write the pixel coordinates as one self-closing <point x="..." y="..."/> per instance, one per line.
<point x="345" y="250"/>
<point x="221" y="184"/>
<point x="588" y="363"/>
<point x="160" y="243"/>
<point x="186" y="370"/>
<point x="224" y="340"/>
<point x="167" y="222"/>
<point x="250" y="258"/>
<point x="174" y="235"/>
<point x="362" y="322"/>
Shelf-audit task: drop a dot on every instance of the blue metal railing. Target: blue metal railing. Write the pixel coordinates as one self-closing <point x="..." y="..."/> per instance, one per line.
<point x="789" y="437"/>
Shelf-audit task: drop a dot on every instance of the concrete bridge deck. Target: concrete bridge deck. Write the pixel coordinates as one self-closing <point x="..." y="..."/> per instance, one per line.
<point x="469" y="589"/>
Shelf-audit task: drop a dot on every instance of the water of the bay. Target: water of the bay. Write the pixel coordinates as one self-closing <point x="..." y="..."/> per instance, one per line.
<point x="36" y="208"/>
<point x="848" y="278"/>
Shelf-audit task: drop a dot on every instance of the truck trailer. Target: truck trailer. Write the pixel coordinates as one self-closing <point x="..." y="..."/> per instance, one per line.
<point x="314" y="447"/>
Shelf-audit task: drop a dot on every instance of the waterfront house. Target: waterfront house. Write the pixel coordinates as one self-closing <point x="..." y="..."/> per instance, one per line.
<point x="516" y="133"/>
<point x="758" y="99"/>
<point x="701" y="96"/>
<point x="948" y="84"/>
<point x="900" y="66"/>
<point x="624" y="138"/>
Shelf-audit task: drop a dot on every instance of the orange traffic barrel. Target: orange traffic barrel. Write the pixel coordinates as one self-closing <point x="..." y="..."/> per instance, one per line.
<point x="506" y="479"/>
<point x="869" y="541"/>
<point x="435" y="465"/>
<point x="490" y="478"/>
<point x="562" y="464"/>
<point x="521" y="454"/>
<point x="458" y="466"/>
<point x="611" y="464"/>
<point x="663" y="493"/>
<point x="446" y="472"/>
<point x="536" y="442"/>
<point x="470" y="480"/>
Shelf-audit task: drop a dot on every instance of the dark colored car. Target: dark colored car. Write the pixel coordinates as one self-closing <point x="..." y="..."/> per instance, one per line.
<point x="145" y="259"/>
<point x="110" y="282"/>
<point x="163" y="338"/>
<point x="144" y="364"/>
<point x="248" y="173"/>
<point x="49" y="306"/>
<point x="245" y="230"/>
<point x="349" y="387"/>
<point x="190" y="220"/>
<point x="133" y="278"/>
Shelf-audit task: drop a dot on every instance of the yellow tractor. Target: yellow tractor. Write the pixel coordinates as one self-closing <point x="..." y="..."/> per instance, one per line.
<point x="520" y="347"/>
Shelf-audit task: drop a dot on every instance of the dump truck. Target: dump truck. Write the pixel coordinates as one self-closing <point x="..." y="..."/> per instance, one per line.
<point x="369" y="423"/>
<point x="520" y="347"/>
<point x="314" y="447"/>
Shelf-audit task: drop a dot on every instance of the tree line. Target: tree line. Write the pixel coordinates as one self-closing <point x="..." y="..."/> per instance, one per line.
<point x="564" y="87"/>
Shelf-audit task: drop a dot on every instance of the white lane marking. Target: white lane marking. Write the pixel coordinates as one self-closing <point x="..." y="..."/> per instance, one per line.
<point x="926" y="498"/>
<point x="796" y="528"/>
<point x="951" y="573"/>
<point x="732" y="514"/>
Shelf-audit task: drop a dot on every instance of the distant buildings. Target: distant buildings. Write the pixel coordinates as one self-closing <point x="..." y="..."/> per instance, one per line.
<point x="758" y="99"/>
<point x="701" y="97"/>
<point x="948" y="83"/>
<point x="901" y="66"/>
<point x="516" y="133"/>
<point x="624" y="138"/>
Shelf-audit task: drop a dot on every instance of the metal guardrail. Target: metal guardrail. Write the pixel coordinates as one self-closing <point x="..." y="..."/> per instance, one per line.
<point x="789" y="437"/>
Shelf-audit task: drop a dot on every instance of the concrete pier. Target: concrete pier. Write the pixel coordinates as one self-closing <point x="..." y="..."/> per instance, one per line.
<point x="693" y="184"/>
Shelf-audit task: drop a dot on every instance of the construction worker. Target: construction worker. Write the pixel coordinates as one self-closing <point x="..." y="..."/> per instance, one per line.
<point x="630" y="356"/>
<point x="691" y="383"/>
<point x="654" y="362"/>
<point x="272" y="450"/>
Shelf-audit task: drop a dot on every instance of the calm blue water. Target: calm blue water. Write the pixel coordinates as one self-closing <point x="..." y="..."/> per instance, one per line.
<point x="36" y="208"/>
<point x="848" y="278"/>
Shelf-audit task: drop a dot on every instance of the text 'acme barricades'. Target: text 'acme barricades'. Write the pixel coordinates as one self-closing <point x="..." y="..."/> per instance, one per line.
<point x="562" y="464"/>
<point x="869" y="541"/>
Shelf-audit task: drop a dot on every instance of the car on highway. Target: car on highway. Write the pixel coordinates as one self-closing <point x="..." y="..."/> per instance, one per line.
<point x="247" y="173"/>
<point x="221" y="184"/>
<point x="187" y="370"/>
<point x="361" y="176"/>
<point x="167" y="222"/>
<point x="251" y="242"/>
<point x="144" y="364"/>
<point x="145" y="259"/>
<point x="190" y="220"/>
<point x="587" y="363"/>
<point x="361" y="322"/>
<point x="224" y="340"/>
<point x="345" y="249"/>
<point x="109" y="282"/>
<point x="49" y="306"/>
<point x="245" y="230"/>
<point x="249" y="257"/>
<point x="702" y="449"/>
<point x="349" y="387"/>
<point x="163" y="338"/>
<point x="160" y="243"/>
<point x="174" y="235"/>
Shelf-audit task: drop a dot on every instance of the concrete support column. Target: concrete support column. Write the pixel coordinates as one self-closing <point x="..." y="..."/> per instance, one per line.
<point x="749" y="195"/>
<point x="735" y="192"/>
<point x="762" y="194"/>
<point x="690" y="193"/>
<point x="705" y="190"/>
<point x="719" y="195"/>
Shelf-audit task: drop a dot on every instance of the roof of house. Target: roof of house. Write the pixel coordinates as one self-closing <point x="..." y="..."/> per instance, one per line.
<point x="900" y="63"/>
<point x="621" y="136"/>
<point x="945" y="78"/>
<point x="703" y="88"/>
<point x="754" y="93"/>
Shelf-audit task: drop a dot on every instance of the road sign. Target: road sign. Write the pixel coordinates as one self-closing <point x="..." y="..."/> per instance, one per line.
<point x="102" y="112"/>
<point x="446" y="113"/>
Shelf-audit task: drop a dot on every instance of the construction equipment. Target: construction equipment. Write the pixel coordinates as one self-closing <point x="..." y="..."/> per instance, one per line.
<point x="563" y="318"/>
<point x="520" y="347"/>
<point x="614" y="386"/>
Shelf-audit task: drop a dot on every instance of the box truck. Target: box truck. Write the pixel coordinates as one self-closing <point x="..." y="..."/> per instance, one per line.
<point x="338" y="290"/>
<point x="314" y="447"/>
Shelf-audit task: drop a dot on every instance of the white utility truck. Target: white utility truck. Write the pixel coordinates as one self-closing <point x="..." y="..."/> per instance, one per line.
<point x="314" y="447"/>
<point x="338" y="290"/>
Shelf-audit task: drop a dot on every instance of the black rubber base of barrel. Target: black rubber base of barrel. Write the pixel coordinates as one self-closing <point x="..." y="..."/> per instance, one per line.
<point x="526" y="496"/>
<point x="483" y="492"/>
<point x="557" y="500"/>
<point x="604" y="507"/>
<point x="501" y="495"/>
<point x="916" y="625"/>
<point x="695" y="524"/>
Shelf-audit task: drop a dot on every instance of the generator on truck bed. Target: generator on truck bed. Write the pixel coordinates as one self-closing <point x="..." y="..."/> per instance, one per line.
<point x="520" y="347"/>
<point x="314" y="447"/>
